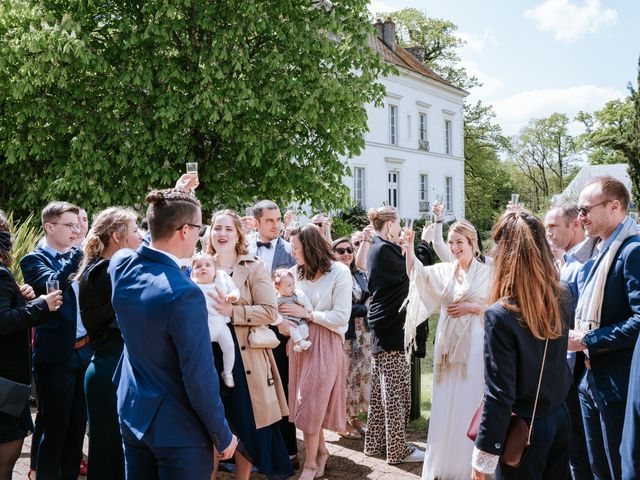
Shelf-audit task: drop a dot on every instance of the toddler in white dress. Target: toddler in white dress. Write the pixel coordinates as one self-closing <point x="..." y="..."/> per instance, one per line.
<point x="212" y="281"/>
<point x="285" y="286"/>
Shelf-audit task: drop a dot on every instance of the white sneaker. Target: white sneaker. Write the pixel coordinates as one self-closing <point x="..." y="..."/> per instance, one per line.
<point x="415" y="456"/>
<point x="227" y="378"/>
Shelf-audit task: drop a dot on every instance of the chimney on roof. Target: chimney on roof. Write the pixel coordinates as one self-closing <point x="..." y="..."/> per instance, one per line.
<point x="417" y="52"/>
<point x="379" y="26"/>
<point x="389" y="33"/>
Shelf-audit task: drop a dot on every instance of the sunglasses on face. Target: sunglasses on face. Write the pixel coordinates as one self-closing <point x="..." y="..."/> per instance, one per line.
<point x="584" y="210"/>
<point x="357" y="243"/>
<point x="319" y="225"/>
<point x="342" y="251"/>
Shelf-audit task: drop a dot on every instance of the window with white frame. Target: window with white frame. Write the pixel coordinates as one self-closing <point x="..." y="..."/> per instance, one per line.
<point x="423" y="199"/>
<point x="448" y="137"/>
<point x="358" y="186"/>
<point x="448" y="201"/>
<point x="422" y="126"/>
<point x="393" y="186"/>
<point x="424" y="187"/>
<point x="393" y="125"/>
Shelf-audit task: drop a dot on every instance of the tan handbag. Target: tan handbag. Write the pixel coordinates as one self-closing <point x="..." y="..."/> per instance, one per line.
<point x="262" y="337"/>
<point x="518" y="436"/>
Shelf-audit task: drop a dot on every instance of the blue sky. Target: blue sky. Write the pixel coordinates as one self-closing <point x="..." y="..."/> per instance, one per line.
<point x="536" y="57"/>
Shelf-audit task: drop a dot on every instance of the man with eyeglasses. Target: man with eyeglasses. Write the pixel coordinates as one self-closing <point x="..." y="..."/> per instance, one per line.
<point x="607" y="319"/>
<point x="60" y="350"/>
<point x="171" y="415"/>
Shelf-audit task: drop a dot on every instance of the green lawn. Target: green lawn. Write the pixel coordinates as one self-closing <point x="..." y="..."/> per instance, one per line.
<point x="426" y="382"/>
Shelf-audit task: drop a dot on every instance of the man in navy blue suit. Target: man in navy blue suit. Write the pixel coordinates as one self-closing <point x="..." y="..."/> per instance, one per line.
<point x="60" y="350"/>
<point x="169" y="405"/>
<point x="630" y="449"/>
<point x="607" y="329"/>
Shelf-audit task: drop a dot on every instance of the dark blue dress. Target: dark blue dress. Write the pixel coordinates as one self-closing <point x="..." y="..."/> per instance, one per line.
<point x="263" y="447"/>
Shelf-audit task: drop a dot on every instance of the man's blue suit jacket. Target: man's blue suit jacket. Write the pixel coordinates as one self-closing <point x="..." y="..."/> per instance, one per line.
<point x="611" y="346"/>
<point x="54" y="339"/>
<point x="630" y="448"/>
<point x="168" y="389"/>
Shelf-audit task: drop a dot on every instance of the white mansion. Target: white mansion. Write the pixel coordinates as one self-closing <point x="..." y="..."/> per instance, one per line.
<point x="413" y="151"/>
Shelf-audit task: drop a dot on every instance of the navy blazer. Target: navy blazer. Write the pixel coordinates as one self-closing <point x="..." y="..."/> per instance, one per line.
<point x="53" y="340"/>
<point x="512" y="359"/>
<point x="167" y="386"/>
<point x="611" y="346"/>
<point x="630" y="448"/>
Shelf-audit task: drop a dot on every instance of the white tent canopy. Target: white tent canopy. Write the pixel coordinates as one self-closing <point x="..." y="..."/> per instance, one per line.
<point x="588" y="172"/>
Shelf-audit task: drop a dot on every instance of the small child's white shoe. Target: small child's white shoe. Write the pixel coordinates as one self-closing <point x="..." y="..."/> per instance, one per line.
<point x="227" y="378"/>
<point x="297" y="348"/>
<point x="305" y="344"/>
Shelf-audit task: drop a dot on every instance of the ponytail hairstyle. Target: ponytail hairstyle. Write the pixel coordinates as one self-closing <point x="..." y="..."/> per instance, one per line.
<point x="105" y="224"/>
<point x="468" y="231"/>
<point x="527" y="281"/>
<point x="381" y="215"/>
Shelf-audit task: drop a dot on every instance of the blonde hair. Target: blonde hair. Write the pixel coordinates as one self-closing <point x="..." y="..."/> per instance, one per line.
<point x="381" y="215"/>
<point x="468" y="231"/>
<point x="203" y="256"/>
<point x="527" y="281"/>
<point x="105" y="224"/>
<point x="241" y="245"/>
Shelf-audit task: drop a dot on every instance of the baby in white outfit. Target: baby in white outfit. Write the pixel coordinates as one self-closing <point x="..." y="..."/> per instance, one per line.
<point x="212" y="281"/>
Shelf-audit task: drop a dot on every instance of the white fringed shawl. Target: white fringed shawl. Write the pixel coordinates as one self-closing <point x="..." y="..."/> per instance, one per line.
<point x="433" y="287"/>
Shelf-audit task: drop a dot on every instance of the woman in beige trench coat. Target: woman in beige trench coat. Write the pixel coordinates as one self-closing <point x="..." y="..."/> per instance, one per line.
<point x="257" y="401"/>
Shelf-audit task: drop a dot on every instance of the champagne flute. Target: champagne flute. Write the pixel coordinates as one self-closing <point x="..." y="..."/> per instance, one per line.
<point x="52" y="286"/>
<point x="192" y="167"/>
<point x="515" y="199"/>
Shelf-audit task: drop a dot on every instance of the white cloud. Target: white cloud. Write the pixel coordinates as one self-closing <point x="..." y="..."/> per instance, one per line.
<point x="378" y="7"/>
<point x="490" y="83"/>
<point x="476" y="42"/>
<point x="570" y="21"/>
<point x="515" y="111"/>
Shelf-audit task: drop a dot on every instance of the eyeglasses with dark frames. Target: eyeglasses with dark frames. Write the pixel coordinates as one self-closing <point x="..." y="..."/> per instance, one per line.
<point x="199" y="227"/>
<point x="357" y="243"/>
<point x="74" y="227"/>
<point x="584" y="210"/>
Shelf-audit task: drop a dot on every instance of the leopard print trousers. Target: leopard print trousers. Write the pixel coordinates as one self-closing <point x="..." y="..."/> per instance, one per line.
<point x="389" y="407"/>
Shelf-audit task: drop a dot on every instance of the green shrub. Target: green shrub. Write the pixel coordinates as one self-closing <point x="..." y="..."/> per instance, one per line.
<point x="26" y="234"/>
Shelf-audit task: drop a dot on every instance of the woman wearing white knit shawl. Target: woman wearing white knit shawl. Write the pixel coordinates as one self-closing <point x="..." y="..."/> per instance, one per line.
<point x="459" y="289"/>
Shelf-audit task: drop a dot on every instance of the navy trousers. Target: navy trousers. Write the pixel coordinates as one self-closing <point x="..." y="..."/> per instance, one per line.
<point x="144" y="461"/>
<point x="62" y="416"/>
<point x="603" y="422"/>
<point x="579" y="456"/>
<point x="547" y="458"/>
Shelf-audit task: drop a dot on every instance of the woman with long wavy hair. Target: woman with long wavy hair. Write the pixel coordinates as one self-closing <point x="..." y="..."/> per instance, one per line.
<point x="256" y="403"/>
<point x="525" y="340"/>
<point x="112" y="229"/>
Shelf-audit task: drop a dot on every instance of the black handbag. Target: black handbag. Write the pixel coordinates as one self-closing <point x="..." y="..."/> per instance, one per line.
<point x="13" y="397"/>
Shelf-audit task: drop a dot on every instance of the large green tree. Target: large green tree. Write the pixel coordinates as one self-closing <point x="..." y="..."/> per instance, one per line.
<point x="102" y="100"/>
<point x="438" y="39"/>
<point x="544" y="152"/>
<point x="613" y="134"/>
<point x="488" y="182"/>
